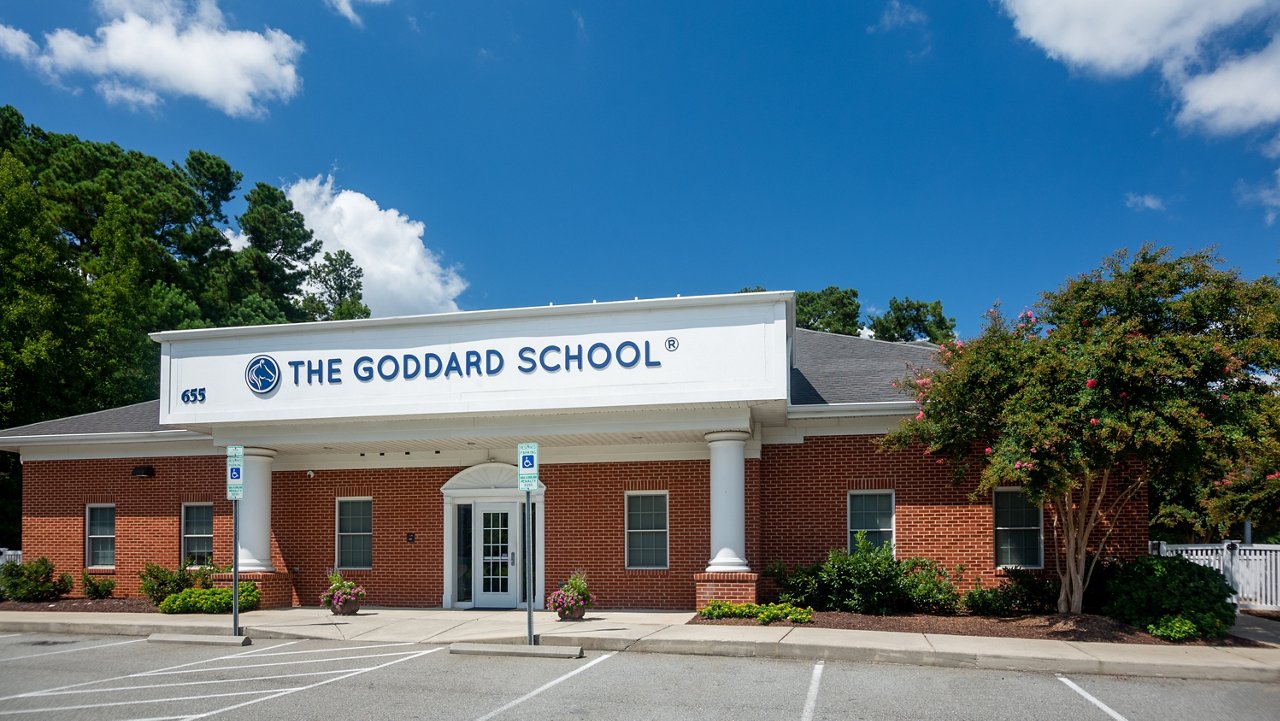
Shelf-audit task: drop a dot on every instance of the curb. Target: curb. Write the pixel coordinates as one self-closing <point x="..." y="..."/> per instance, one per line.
<point x="1251" y="671"/>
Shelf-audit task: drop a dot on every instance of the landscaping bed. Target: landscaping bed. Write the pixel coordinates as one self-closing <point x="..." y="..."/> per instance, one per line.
<point x="100" y="605"/>
<point x="1054" y="627"/>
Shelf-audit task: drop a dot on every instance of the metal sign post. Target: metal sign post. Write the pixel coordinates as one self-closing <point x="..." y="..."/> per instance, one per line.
<point x="527" y="481"/>
<point x="235" y="492"/>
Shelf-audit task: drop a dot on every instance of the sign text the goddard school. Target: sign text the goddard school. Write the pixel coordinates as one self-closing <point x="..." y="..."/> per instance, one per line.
<point x="552" y="358"/>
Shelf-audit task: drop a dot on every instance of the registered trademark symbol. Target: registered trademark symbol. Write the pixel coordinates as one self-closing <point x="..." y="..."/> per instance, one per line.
<point x="672" y="344"/>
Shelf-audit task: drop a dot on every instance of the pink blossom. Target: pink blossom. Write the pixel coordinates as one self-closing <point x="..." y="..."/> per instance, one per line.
<point x="920" y="416"/>
<point x="1018" y="465"/>
<point x="1091" y="383"/>
<point x="988" y="450"/>
<point x="1093" y="421"/>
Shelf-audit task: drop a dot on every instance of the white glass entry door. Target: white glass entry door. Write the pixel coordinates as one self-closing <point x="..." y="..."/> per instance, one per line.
<point x="497" y="536"/>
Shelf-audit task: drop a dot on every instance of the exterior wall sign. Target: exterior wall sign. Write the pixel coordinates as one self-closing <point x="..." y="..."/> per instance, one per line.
<point x="646" y="353"/>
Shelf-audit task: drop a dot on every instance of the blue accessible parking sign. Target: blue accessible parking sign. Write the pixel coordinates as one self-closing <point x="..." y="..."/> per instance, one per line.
<point x="527" y="474"/>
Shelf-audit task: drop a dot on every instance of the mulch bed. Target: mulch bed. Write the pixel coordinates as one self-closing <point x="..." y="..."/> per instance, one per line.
<point x="105" y="605"/>
<point x="1064" y="627"/>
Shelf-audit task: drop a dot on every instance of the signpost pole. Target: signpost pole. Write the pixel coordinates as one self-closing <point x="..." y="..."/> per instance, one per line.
<point x="527" y="481"/>
<point x="235" y="568"/>
<point x="235" y="491"/>
<point x="528" y="562"/>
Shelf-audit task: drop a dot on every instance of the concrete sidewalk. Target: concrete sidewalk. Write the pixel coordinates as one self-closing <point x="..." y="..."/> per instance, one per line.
<point x="667" y="632"/>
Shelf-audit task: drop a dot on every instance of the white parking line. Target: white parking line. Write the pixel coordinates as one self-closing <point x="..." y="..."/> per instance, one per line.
<point x="71" y="650"/>
<point x="277" y="663"/>
<point x="1105" y="708"/>
<point x="341" y="648"/>
<point x="142" y="701"/>
<point x="204" y="682"/>
<point x="546" y="686"/>
<point x="146" y="673"/>
<point x="10" y="635"/>
<point x="314" y="685"/>
<point x="811" y="700"/>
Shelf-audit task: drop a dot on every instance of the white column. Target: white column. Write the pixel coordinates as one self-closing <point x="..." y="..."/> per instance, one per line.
<point x="728" y="501"/>
<point x="254" y="550"/>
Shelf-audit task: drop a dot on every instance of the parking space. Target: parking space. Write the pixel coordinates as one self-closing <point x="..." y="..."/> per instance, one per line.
<point x="68" y="677"/>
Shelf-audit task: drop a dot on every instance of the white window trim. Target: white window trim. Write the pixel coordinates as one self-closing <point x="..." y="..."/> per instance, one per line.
<point x="627" y="531"/>
<point x="893" y="515"/>
<point x="337" y="545"/>
<point x="185" y="535"/>
<point x="87" y="537"/>
<point x="995" y="550"/>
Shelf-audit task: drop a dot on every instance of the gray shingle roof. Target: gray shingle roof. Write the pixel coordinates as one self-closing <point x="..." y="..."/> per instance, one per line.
<point x="826" y="368"/>
<point x="137" y="418"/>
<point x="830" y="368"/>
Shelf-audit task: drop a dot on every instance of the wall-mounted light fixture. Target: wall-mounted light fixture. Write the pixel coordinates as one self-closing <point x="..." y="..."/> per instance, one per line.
<point x="143" y="471"/>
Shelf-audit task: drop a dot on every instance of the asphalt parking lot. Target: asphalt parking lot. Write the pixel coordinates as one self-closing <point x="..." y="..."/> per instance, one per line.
<point x="49" y="676"/>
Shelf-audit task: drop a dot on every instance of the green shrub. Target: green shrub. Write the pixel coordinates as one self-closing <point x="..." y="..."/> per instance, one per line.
<point x="765" y="613"/>
<point x="866" y="580"/>
<point x="929" y="586"/>
<point x="159" y="583"/>
<point x="95" y="587"/>
<point x="1098" y="592"/>
<point x="1151" y="589"/>
<point x="1173" y="628"/>
<point x="211" y="600"/>
<point x="1021" y="593"/>
<point x="33" y="581"/>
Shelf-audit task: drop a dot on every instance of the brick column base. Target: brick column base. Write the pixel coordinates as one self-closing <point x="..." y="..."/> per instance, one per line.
<point x="276" y="588"/>
<point x="734" y="587"/>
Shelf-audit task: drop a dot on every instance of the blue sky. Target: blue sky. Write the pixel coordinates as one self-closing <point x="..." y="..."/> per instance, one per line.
<point x="498" y="154"/>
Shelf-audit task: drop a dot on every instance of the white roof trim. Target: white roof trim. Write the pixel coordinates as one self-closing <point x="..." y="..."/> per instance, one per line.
<point x="851" y="410"/>
<point x="484" y="315"/>
<point x="15" y="443"/>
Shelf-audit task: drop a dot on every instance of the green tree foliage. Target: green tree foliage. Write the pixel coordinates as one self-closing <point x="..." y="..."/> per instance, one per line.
<point x="100" y="246"/>
<point x="912" y="320"/>
<point x="1150" y="371"/>
<point x="830" y="310"/>
<point x="338" y="282"/>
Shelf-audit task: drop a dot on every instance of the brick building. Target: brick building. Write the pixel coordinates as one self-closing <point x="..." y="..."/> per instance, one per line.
<point x="684" y="445"/>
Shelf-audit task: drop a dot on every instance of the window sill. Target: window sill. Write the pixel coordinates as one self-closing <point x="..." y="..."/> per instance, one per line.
<point x="100" y="570"/>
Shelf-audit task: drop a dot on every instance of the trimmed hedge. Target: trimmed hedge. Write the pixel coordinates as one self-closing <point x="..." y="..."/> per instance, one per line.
<point x="211" y="600"/>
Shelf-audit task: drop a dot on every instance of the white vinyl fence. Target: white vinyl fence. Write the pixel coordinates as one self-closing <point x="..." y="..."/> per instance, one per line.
<point x="6" y="555"/>
<point x="1253" y="571"/>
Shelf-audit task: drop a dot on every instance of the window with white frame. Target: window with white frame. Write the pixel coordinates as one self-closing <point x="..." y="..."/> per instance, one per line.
<point x="871" y="512"/>
<point x="647" y="530"/>
<point x="355" y="533"/>
<point x="1019" y="530"/>
<point x="197" y="533"/>
<point x="100" y="535"/>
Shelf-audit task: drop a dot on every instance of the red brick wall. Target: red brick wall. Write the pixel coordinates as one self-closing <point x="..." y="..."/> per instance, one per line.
<point x="805" y="489"/>
<point x="796" y="508"/>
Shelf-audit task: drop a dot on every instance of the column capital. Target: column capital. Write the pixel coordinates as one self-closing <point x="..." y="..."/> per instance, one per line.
<point x="259" y="452"/>
<point x="717" y="436"/>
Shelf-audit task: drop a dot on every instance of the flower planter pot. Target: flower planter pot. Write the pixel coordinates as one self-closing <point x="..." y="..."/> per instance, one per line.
<point x="572" y="614"/>
<point x="347" y="608"/>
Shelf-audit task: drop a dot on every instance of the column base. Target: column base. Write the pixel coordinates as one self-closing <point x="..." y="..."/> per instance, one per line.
<point x="738" y="587"/>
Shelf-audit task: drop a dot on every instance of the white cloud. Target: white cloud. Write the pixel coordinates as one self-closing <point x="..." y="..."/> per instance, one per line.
<point x="1238" y="95"/>
<point x="16" y="43"/>
<point x="401" y="276"/>
<point x="1271" y="148"/>
<point x="896" y="15"/>
<point x="346" y="8"/>
<point x="1133" y="201"/>
<point x="1122" y="37"/>
<point x="581" y="24"/>
<point x="238" y="240"/>
<point x="1268" y="196"/>
<point x="148" y="49"/>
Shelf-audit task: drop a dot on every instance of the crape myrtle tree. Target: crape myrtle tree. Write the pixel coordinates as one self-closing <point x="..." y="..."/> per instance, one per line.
<point x="1152" y="371"/>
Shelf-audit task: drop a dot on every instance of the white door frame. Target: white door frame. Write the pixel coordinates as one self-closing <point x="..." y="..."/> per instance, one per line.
<point x="487" y="483"/>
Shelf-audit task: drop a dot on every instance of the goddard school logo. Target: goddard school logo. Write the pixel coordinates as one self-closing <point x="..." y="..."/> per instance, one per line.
<point x="262" y="375"/>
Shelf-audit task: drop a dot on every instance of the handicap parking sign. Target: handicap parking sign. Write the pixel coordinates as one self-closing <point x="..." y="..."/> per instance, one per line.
<point x="527" y="462"/>
<point x="235" y="474"/>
